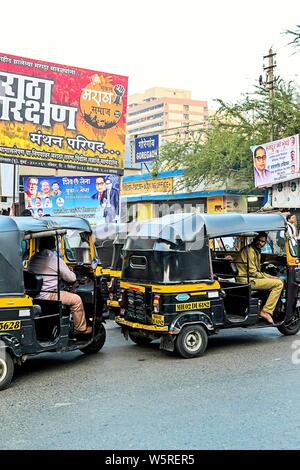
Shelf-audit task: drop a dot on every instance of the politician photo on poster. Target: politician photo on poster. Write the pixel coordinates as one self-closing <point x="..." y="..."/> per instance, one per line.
<point x="95" y="198"/>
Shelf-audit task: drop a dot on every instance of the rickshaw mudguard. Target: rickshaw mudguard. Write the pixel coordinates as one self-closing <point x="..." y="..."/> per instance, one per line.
<point x="197" y="318"/>
<point x="11" y="343"/>
<point x="188" y="319"/>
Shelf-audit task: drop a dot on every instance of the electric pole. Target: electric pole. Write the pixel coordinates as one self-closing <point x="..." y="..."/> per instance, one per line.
<point x="270" y="84"/>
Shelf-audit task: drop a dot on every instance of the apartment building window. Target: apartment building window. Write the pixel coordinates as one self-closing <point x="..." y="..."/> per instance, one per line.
<point x="144" y="119"/>
<point x="145" y="110"/>
<point x="151" y="126"/>
<point x="186" y="116"/>
<point x="186" y="107"/>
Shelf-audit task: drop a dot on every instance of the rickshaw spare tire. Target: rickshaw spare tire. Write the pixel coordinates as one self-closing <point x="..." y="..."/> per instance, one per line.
<point x="139" y="339"/>
<point x="191" y="341"/>
<point x="6" y="370"/>
<point x="293" y="326"/>
<point x="97" y="343"/>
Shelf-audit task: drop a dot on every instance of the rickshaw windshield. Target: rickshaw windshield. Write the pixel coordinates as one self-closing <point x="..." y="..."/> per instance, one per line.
<point x="276" y="243"/>
<point x="77" y="248"/>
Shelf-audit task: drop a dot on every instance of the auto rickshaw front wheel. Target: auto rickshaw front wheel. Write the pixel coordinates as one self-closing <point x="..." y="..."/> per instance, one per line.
<point x="293" y="326"/>
<point x="6" y="370"/>
<point x="191" y="341"/>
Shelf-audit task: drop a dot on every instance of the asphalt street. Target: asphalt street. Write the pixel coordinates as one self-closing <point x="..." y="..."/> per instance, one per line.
<point x="243" y="394"/>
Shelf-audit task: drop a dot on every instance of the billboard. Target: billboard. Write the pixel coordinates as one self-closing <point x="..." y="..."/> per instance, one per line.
<point x="276" y="162"/>
<point x="61" y="117"/>
<point x="95" y="198"/>
<point x="146" y="148"/>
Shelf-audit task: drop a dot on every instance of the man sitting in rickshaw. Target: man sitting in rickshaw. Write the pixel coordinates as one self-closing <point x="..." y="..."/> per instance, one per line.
<point x="249" y="267"/>
<point x="45" y="263"/>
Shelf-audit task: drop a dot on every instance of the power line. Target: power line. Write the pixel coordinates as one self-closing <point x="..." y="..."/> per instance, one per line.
<point x="160" y="131"/>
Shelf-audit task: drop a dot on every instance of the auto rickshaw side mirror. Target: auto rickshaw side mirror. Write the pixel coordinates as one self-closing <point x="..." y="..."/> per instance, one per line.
<point x="95" y="262"/>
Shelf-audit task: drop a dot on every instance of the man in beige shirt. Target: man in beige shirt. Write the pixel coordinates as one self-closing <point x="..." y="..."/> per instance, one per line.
<point x="46" y="263"/>
<point x="248" y="264"/>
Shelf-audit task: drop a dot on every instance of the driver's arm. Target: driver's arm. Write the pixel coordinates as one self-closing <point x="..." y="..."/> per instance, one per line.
<point x="65" y="273"/>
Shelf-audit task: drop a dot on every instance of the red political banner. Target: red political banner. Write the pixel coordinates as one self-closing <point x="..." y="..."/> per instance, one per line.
<point x="61" y="117"/>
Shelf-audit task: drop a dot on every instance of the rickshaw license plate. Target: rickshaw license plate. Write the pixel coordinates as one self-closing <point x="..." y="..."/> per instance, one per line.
<point x="192" y="306"/>
<point x="10" y="325"/>
<point x="158" y="320"/>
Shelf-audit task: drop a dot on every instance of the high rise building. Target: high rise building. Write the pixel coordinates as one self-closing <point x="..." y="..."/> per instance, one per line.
<point x="167" y="111"/>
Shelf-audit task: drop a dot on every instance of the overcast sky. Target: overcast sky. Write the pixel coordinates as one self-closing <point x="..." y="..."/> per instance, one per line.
<point x="215" y="47"/>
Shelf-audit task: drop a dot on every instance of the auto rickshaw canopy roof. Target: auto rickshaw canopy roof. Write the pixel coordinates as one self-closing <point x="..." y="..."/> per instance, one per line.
<point x="190" y="228"/>
<point x="43" y="224"/>
<point x="12" y="231"/>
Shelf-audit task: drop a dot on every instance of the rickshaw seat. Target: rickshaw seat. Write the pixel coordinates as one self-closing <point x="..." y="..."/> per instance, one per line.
<point x="33" y="283"/>
<point x="224" y="268"/>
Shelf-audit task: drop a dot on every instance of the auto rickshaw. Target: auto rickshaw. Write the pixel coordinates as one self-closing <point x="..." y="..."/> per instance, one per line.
<point x="179" y="280"/>
<point x="103" y="237"/>
<point x="30" y="325"/>
<point x="115" y="272"/>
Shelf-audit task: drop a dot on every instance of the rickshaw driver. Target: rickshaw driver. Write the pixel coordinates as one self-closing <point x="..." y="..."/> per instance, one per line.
<point x="249" y="257"/>
<point x="45" y="263"/>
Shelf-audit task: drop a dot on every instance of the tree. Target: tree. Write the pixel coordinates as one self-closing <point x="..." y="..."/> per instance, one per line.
<point x="295" y="36"/>
<point x="221" y="152"/>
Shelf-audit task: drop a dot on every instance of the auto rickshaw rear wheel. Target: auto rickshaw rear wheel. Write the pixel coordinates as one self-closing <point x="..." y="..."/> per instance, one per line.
<point x="293" y="326"/>
<point x="6" y="370"/>
<point x="97" y="343"/>
<point x="139" y="339"/>
<point x="191" y="341"/>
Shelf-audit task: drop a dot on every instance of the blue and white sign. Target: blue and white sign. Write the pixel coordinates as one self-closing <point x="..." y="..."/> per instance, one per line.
<point x="182" y="297"/>
<point x="146" y="148"/>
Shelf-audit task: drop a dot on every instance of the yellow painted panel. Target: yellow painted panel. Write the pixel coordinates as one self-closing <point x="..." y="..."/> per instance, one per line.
<point x="15" y="302"/>
<point x="140" y="326"/>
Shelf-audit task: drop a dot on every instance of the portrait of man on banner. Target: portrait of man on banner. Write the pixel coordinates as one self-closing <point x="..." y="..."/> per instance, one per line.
<point x="31" y="191"/>
<point x="110" y="201"/>
<point x="261" y="173"/>
<point x="100" y="188"/>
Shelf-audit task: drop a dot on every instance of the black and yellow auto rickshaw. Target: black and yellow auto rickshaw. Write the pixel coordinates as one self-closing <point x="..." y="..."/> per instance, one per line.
<point x="179" y="280"/>
<point x="30" y="325"/>
<point x="116" y="271"/>
<point x="108" y="253"/>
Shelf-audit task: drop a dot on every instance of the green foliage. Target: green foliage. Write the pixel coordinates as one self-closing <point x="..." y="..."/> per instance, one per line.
<point x="221" y="151"/>
<point x="294" y="36"/>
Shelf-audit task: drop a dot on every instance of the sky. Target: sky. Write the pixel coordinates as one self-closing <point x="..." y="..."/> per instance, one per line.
<point x="214" y="48"/>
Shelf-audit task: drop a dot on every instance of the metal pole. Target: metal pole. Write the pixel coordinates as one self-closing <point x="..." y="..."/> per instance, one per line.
<point x="14" y="189"/>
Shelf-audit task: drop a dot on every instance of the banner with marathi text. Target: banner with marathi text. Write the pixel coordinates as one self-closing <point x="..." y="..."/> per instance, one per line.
<point x="95" y="198"/>
<point x="276" y="162"/>
<point x="160" y="185"/>
<point x="61" y="117"/>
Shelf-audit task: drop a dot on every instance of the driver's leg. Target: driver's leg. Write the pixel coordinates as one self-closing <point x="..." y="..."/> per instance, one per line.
<point x="77" y="310"/>
<point x="275" y="285"/>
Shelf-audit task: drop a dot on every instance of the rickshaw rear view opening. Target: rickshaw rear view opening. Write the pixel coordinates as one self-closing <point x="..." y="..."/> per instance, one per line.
<point x="29" y="323"/>
<point x="180" y="281"/>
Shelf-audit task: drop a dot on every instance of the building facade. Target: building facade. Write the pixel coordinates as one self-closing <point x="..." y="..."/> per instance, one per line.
<point x="168" y="111"/>
<point x="145" y="197"/>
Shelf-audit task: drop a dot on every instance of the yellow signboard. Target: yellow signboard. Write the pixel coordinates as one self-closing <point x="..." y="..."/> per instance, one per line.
<point x="215" y="205"/>
<point x="162" y="185"/>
